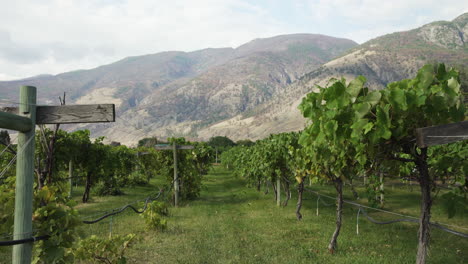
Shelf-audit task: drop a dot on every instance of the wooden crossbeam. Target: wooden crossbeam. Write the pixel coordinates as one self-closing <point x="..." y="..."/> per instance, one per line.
<point x="443" y="134"/>
<point x="15" y="122"/>
<point x="171" y="147"/>
<point x="69" y="114"/>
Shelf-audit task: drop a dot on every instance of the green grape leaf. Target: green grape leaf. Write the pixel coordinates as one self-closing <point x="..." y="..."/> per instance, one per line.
<point x="355" y="87"/>
<point x="398" y="99"/>
<point x="425" y="77"/>
<point x="373" y="98"/>
<point x="454" y="86"/>
<point x="361" y="109"/>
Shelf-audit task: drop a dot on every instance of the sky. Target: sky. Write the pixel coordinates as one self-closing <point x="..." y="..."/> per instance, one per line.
<point x="55" y="36"/>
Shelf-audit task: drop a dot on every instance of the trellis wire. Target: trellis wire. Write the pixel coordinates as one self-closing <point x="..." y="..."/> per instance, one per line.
<point x="407" y="217"/>
<point x="9" y="145"/>
<point x="14" y="158"/>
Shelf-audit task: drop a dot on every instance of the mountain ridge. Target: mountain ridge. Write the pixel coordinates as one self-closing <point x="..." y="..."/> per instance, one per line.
<point x="249" y="91"/>
<point x="176" y="93"/>
<point x="381" y="60"/>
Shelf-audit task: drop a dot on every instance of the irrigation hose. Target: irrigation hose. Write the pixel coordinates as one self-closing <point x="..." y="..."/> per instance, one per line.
<point x="114" y="212"/>
<point x="148" y="199"/>
<point x="23" y="241"/>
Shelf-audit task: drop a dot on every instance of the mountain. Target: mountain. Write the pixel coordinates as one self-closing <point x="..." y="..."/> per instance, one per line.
<point x="381" y="60"/>
<point x="246" y="92"/>
<point x="138" y="74"/>
<point x="178" y="93"/>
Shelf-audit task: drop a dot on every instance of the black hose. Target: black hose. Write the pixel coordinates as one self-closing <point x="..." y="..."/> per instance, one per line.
<point x="23" y="241"/>
<point x="147" y="200"/>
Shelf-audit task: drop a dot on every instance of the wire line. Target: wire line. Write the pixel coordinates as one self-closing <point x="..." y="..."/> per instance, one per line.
<point x="15" y="157"/>
<point x="409" y="218"/>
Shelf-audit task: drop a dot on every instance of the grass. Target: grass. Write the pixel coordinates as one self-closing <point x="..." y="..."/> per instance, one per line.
<point x="230" y="223"/>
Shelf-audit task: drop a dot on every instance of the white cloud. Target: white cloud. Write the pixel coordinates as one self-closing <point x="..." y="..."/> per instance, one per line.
<point x="53" y="36"/>
<point x="366" y="19"/>
<point x="64" y="35"/>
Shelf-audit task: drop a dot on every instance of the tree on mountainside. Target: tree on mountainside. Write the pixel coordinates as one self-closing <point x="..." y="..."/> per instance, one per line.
<point x="245" y="142"/>
<point x="147" y="142"/>
<point x="221" y="142"/>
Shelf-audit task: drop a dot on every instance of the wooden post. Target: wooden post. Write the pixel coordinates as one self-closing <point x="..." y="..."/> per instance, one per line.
<point x="381" y="189"/>
<point x="25" y="178"/>
<point x="176" y="179"/>
<point x="174" y="149"/>
<point x="137" y="166"/>
<point x="278" y="191"/>
<point x="70" y="176"/>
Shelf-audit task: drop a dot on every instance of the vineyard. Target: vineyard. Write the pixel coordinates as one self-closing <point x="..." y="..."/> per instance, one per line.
<point x="355" y="181"/>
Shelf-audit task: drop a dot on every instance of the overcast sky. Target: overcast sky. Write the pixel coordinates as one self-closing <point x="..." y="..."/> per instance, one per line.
<point x="54" y="36"/>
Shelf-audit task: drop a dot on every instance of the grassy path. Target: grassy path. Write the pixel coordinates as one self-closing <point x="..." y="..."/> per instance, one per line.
<point x="230" y="223"/>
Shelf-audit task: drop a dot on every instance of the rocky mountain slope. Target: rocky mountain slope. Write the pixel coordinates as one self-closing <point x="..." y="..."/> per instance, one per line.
<point x="177" y="93"/>
<point x="247" y="92"/>
<point x="136" y="75"/>
<point x="382" y="60"/>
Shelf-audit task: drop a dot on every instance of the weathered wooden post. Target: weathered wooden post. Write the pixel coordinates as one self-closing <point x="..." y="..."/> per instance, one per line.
<point x="70" y="177"/>
<point x="25" y="178"/>
<point x="425" y="137"/>
<point x="174" y="148"/>
<point x="381" y="189"/>
<point x="278" y="191"/>
<point x="176" y="179"/>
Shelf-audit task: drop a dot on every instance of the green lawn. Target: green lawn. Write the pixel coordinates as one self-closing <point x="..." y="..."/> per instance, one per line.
<point x="230" y="223"/>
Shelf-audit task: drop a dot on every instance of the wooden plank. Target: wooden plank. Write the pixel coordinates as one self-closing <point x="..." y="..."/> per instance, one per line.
<point x="185" y="147"/>
<point x="169" y="147"/>
<point x="69" y="114"/>
<point x="443" y="134"/>
<point x="15" y="122"/>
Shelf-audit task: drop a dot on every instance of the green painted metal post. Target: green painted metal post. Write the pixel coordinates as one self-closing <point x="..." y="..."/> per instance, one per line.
<point x="278" y="191"/>
<point x="25" y="178"/>
<point x="176" y="178"/>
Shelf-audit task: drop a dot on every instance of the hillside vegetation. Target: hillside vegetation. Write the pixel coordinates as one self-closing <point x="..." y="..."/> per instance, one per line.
<point x="244" y="92"/>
